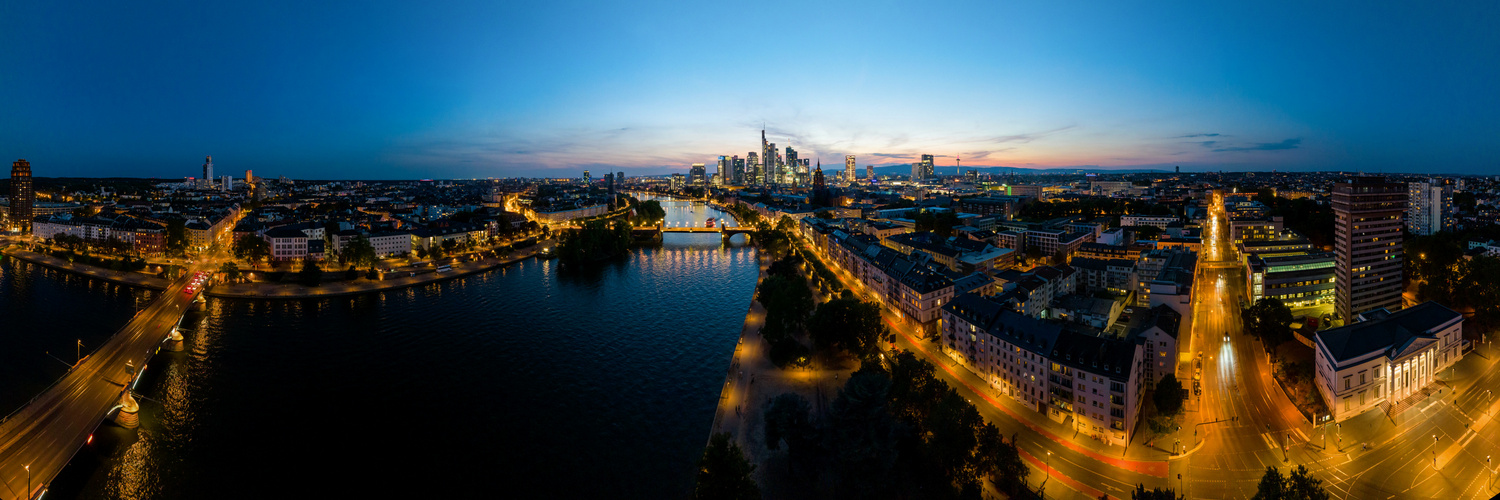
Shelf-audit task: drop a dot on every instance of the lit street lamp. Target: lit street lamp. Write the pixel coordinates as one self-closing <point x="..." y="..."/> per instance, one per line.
<point x="28" y="479"/>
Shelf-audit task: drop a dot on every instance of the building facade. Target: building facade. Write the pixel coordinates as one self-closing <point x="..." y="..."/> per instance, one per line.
<point x="1367" y="227"/>
<point x="22" y="196"/>
<point x="1430" y="207"/>
<point x="1387" y="360"/>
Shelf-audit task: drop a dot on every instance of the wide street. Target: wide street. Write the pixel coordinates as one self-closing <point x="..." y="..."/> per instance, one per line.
<point x="1244" y="422"/>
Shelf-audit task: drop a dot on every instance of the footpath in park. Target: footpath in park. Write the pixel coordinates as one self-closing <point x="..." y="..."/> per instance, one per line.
<point x="750" y="384"/>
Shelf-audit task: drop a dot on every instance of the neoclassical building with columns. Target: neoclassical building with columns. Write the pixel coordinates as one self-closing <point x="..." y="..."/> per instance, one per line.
<point x="1386" y="358"/>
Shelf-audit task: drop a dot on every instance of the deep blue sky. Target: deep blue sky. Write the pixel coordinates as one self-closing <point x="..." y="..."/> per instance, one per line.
<point x="315" y="89"/>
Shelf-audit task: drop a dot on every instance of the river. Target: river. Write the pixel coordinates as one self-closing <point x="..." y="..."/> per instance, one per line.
<point x="527" y="381"/>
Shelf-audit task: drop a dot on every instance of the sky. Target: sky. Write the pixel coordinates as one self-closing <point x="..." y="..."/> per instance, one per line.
<point x="401" y="90"/>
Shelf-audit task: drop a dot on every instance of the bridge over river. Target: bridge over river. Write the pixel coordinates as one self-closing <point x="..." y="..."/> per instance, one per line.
<point x="40" y="438"/>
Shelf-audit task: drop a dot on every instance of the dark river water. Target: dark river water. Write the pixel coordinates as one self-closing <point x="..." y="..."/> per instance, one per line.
<point x="528" y="381"/>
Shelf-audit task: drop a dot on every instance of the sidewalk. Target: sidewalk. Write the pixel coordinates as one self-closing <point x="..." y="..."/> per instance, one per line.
<point x="122" y="277"/>
<point x="362" y="286"/>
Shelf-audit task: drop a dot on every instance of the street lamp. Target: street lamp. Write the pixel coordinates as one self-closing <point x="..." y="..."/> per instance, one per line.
<point x="1434" y="451"/>
<point x="28" y="479"/>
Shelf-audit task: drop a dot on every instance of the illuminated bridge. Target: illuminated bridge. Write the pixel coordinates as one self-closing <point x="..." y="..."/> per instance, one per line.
<point x="40" y="438"/>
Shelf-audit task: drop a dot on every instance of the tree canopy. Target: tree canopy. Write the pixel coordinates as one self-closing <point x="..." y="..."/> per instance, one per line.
<point x="724" y="473"/>
<point x="1169" y="395"/>
<point x="1297" y="485"/>
<point x="848" y="324"/>
<point x="1270" y="321"/>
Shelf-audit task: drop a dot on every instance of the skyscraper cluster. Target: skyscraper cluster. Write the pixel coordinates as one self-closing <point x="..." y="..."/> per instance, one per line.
<point x="922" y="170"/>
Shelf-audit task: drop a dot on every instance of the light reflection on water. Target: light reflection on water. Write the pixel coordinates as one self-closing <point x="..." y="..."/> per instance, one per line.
<point x="597" y="382"/>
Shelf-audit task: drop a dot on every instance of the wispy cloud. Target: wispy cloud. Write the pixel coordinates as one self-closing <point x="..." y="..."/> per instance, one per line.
<point x="1190" y="136"/>
<point x="1263" y="146"/>
<point x="1027" y="137"/>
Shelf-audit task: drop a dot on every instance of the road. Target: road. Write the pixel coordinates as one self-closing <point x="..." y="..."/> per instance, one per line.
<point x="46" y="433"/>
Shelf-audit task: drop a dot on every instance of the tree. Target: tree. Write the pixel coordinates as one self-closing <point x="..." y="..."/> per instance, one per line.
<point x="848" y="324"/>
<point x="1296" y="486"/>
<point x="311" y="274"/>
<point x="1302" y="486"/>
<point x="359" y="252"/>
<point x="788" y="303"/>
<point x="863" y="435"/>
<point x="1002" y="459"/>
<point x="788" y="418"/>
<point x="1141" y="493"/>
<point x="1169" y="395"/>
<point x="724" y="473"/>
<point x="230" y="271"/>
<point x="252" y="248"/>
<point x="1270" y="321"/>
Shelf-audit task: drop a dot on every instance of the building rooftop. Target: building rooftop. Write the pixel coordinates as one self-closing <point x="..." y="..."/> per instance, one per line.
<point x="1388" y="331"/>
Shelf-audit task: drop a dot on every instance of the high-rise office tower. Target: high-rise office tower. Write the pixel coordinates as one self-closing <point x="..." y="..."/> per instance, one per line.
<point x="849" y="169"/>
<point x="927" y="167"/>
<point x="22" y="196"/>
<point x="724" y="167"/>
<point x="620" y="179"/>
<point x="696" y="175"/>
<point x="208" y="171"/>
<point x="737" y="170"/>
<point x="609" y="181"/>
<point x="1367" y="244"/>
<point x="249" y="177"/>
<point x="587" y="179"/>
<point x="767" y="159"/>
<point x="228" y="184"/>
<point x="870" y="172"/>
<point x="1429" y="207"/>
<point x="752" y="161"/>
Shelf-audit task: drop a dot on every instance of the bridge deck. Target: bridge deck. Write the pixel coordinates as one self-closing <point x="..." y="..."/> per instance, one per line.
<point x="46" y="433"/>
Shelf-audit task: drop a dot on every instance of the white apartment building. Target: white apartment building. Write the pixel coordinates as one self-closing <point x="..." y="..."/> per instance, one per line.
<point x="1159" y="221"/>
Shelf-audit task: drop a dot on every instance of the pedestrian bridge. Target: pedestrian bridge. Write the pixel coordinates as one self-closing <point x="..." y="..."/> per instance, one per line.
<point x="729" y="231"/>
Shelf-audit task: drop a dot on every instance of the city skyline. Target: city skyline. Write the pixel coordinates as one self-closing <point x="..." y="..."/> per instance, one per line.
<point x="548" y="91"/>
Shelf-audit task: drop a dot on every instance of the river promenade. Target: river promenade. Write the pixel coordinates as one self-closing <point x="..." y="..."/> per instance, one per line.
<point x="131" y="278"/>
<point x="276" y="290"/>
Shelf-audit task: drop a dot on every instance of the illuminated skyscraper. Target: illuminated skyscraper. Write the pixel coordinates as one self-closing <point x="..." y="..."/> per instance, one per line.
<point x="927" y="167"/>
<point x="869" y="172"/>
<point x="724" y="169"/>
<point x="696" y="175"/>
<point x="208" y="170"/>
<point x="849" y="169"/>
<point x="753" y="163"/>
<point x="737" y="170"/>
<point x="587" y="179"/>
<point x="1367" y="245"/>
<point x="620" y="179"/>
<point x="767" y="159"/>
<point x="22" y="196"/>
<point x="919" y="169"/>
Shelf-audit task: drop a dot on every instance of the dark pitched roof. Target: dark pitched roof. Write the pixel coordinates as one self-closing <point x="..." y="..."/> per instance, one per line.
<point x="1389" y="332"/>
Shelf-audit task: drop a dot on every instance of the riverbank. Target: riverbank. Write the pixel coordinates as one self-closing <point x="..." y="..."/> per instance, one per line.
<point x="129" y="278"/>
<point x="750" y="384"/>
<point x="291" y="291"/>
